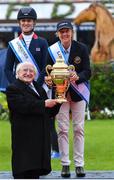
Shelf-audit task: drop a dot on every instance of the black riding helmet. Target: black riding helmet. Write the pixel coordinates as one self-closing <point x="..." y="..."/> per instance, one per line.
<point x="27" y="13"/>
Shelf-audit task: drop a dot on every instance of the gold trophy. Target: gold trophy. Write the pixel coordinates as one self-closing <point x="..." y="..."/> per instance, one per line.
<point x="60" y="74"/>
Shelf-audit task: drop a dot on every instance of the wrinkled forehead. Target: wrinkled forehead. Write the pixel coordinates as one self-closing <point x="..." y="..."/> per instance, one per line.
<point x="27" y="66"/>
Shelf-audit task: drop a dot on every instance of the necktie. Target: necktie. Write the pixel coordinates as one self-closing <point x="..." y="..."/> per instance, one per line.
<point x="33" y="88"/>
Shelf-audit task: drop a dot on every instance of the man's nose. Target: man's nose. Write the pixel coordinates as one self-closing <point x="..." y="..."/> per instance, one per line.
<point x="28" y="71"/>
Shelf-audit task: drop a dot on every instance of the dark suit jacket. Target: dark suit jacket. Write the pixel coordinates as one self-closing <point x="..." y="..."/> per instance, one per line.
<point x="30" y="128"/>
<point x="78" y="57"/>
<point x="38" y="48"/>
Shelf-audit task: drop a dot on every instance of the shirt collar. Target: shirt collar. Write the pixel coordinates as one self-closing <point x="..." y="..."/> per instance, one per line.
<point x="66" y="50"/>
<point x="34" y="36"/>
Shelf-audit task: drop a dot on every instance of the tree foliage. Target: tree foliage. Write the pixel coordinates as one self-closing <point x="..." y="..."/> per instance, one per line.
<point x="102" y="87"/>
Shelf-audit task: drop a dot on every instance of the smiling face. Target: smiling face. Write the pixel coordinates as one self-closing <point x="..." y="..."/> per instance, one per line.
<point x="65" y="35"/>
<point x="26" y="73"/>
<point x="27" y="25"/>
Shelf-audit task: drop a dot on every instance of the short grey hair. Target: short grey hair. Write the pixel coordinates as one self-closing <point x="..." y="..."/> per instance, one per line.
<point x="20" y="65"/>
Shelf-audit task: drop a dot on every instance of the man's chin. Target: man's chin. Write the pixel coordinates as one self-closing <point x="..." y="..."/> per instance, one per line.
<point x="26" y="81"/>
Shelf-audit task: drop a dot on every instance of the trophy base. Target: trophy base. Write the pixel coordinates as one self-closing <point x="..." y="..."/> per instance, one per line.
<point x="61" y="100"/>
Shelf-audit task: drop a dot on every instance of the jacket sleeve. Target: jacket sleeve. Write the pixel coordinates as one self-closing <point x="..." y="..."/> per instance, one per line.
<point x="9" y="65"/>
<point x="54" y="110"/>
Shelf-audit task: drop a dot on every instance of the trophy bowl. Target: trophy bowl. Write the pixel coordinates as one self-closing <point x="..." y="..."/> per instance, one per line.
<point x="60" y="74"/>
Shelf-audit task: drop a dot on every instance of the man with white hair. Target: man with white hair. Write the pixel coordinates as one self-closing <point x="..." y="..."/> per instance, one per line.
<point x="30" y="115"/>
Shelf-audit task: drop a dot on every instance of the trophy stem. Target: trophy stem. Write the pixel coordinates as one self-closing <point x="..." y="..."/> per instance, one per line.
<point x="60" y="93"/>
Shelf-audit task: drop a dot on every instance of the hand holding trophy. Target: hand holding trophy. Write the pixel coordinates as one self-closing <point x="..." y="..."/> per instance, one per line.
<point x="59" y="73"/>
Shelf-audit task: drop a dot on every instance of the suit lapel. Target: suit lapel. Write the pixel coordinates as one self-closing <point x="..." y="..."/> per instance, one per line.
<point x="73" y="52"/>
<point x="29" y="89"/>
<point x="26" y="87"/>
<point x="40" y="90"/>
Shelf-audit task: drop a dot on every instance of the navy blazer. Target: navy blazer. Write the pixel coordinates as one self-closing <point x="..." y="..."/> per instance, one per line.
<point x="38" y="48"/>
<point x="79" y="57"/>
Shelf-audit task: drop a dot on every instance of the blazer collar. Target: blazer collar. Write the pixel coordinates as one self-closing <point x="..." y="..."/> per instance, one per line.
<point x="34" y="36"/>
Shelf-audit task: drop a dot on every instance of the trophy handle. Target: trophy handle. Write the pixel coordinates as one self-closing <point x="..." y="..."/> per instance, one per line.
<point x="48" y="68"/>
<point x="71" y="67"/>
